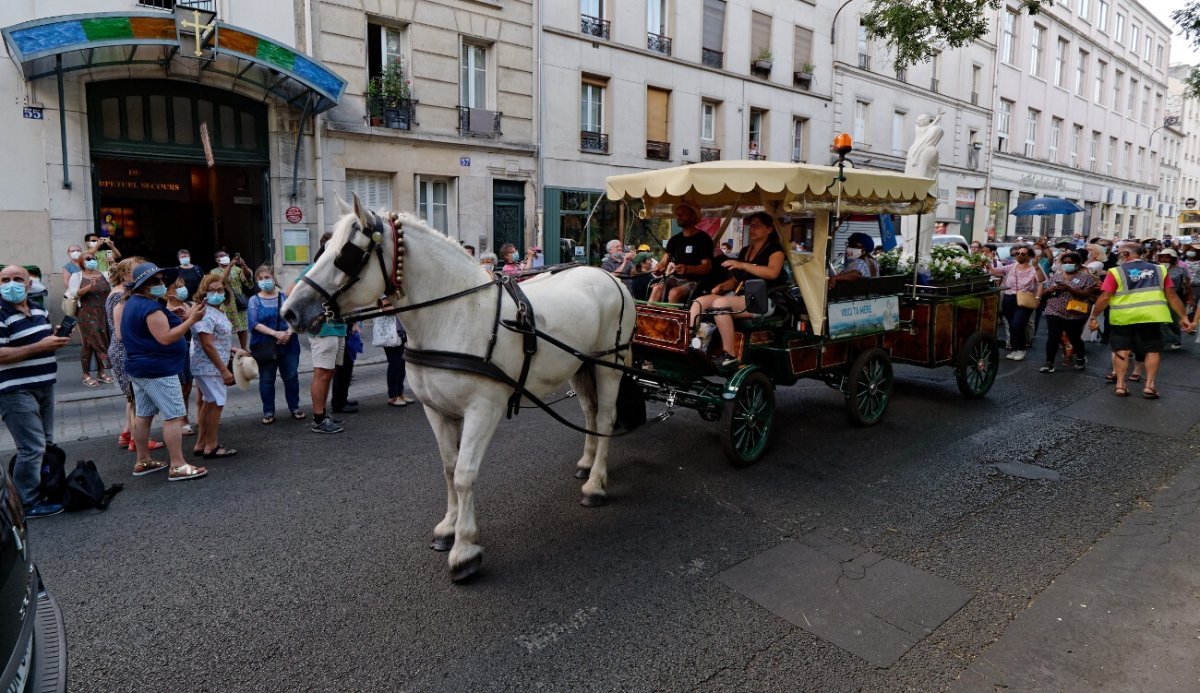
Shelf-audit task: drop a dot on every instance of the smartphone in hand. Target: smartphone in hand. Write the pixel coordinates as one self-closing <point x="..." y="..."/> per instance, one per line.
<point x="66" y="326"/>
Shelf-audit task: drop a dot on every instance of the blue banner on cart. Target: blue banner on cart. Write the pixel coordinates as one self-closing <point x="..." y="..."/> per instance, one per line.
<point x="868" y="316"/>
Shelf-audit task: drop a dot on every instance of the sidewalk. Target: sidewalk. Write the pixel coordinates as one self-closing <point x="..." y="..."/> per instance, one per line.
<point x="82" y="412"/>
<point x="1125" y="617"/>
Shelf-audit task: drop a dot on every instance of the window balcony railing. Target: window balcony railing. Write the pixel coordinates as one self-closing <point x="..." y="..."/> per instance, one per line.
<point x="753" y="156"/>
<point x="659" y="151"/>
<point x="478" y="122"/>
<point x="398" y="116"/>
<point x="710" y="154"/>
<point x="933" y="84"/>
<point x="658" y="44"/>
<point x="712" y="58"/>
<point x="593" y="141"/>
<point x="864" y="61"/>
<point x="210" y="5"/>
<point x="594" y="26"/>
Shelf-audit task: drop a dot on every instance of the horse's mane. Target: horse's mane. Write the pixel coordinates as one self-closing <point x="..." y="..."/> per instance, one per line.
<point x="408" y="221"/>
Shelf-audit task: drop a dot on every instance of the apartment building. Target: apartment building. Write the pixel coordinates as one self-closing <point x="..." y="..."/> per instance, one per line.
<point x="635" y="85"/>
<point x="1187" y="110"/>
<point x="1081" y="90"/>
<point x="456" y="143"/>
<point x="879" y="105"/>
<point x="128" y="124"/>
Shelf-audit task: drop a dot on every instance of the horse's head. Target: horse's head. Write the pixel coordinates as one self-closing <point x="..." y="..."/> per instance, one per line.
<point x="348" y="273"/>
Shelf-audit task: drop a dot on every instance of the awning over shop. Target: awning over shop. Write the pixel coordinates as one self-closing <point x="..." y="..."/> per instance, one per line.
<point x="46" y="47"/>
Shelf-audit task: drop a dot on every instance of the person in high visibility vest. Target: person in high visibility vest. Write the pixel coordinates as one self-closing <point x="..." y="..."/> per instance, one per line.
<point x="1141" y="297"/>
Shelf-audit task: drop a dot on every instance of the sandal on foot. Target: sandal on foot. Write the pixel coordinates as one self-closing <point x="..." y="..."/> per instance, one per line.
<point x="1150" y="393"/>
<point x="299" y="415"/>
<point x="1121" y="391"/>
<point x="89" y="381"/>
<point x="1134" y="378"/>
<point x="268" y="420"/>
<point x="152" y="444"/>
<point x="124" y="439"/>
<point x="186" y="471"/>
<point x="106" y="378"/>
<point x="219" y="452"/>
<point x="148" y="467"/>
<point x="1111" y="377"/>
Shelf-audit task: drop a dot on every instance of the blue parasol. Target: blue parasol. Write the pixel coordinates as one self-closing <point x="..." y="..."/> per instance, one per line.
<point x="1045" y="206"/>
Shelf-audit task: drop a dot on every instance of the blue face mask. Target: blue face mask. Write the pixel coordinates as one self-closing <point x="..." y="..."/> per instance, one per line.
<point x="181" y="293"/>
<point x="90" y="264"/>
<point x="1069" y="268"/>
<point x="266" y="284"/>
<point x="158" y="290"/>
<point x="216" y="299"/>
<point x="13" y="292"/>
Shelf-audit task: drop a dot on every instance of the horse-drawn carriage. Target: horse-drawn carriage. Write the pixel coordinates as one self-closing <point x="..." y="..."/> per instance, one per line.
<point x="847" y="337"/>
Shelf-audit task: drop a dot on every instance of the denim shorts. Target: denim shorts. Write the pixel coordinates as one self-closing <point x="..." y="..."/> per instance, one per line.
<point x="163" y="396"/>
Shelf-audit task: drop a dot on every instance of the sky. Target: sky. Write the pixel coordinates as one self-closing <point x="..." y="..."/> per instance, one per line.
<point x="1181" y="50"/>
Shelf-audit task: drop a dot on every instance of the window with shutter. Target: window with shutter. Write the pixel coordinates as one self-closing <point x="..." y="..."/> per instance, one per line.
<point x="373" y="189"/>
<point x="657" y="114"/>
<point x="802" y="50"/>
<point x="760" y="34"/>
<point x="714" y="25"/>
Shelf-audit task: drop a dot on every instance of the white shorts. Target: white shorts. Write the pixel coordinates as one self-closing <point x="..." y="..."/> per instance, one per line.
<point x="327" y="352"/>
<point x="212" y="387"/>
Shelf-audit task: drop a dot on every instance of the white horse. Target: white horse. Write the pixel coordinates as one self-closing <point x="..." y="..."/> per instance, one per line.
<point x="584" y="307"/>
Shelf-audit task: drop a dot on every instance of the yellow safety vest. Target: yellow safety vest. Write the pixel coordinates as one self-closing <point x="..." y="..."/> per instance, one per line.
<point x="1139" y="301"/>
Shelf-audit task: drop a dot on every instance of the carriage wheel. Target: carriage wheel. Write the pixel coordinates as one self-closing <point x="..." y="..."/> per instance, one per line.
<point x="978" y="363"/>
<point x="869" y="387"/>
<point x="748" y="420"/>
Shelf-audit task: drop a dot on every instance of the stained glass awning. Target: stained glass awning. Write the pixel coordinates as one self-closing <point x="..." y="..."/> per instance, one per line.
<point x="94" y="41"/>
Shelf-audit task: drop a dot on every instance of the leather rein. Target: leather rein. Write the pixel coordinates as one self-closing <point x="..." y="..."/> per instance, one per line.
<point x="352" y="260"/>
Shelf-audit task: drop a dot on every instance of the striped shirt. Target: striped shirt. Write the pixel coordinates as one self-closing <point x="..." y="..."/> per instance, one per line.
<point x="16" y="330"/>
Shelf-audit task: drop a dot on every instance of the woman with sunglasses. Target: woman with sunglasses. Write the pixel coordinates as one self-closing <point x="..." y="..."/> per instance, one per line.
<point x="1020" y="276"/>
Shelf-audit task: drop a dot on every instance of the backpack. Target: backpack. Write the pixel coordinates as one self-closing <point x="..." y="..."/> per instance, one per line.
<point x="53" y="482"/>
<point x="85" y="490"/>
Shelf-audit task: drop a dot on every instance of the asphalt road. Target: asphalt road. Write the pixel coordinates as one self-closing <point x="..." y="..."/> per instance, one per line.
<point x="303" y="563"/>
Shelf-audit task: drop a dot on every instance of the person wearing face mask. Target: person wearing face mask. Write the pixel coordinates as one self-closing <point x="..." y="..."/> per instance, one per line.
<point x="487" y="261"/>
<point x="74" y="264"/>
<point x="1067" y="295"/>
<point x="511" y="259"/>
<point x="189" y="272"/>
<point x="27" y="373"/>
<point x="154" y="354"/>
<point x="91" y="288"/>
<point x="1182" y="281"/>
<point x="274" y="346"/>
<point x="1021" y="277"/>
<point x="179" y="302"/>
<point x="102" y="246"/>
<point x="236" y="275"/>
<point x="37" y="290"/>
<point x="212" y="348"/>
<point x="854" y="265"/>
<point x="118" y="275"/>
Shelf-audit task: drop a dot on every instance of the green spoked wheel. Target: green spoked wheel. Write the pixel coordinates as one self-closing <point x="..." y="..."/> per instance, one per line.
<point x="748" y="420"/>
<point x="869" y="387"/>
<point x="978" y="363"/>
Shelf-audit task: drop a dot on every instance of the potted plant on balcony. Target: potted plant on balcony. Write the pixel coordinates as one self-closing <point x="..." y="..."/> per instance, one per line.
<point x="762" y="60"/>
<point x="395" y="92"/>
<point x="374" y="102"/>
<point x="805" y="73"/>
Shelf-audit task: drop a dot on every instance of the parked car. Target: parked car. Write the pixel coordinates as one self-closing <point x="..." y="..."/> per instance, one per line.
<point x="948" y="238"/>
<point x="33" y="639"/>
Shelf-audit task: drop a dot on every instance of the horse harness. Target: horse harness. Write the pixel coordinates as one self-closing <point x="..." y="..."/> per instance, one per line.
<point x="351" y="260"/>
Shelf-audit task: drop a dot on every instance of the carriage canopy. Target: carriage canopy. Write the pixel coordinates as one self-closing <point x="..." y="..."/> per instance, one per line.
<point x="782" y="188"/>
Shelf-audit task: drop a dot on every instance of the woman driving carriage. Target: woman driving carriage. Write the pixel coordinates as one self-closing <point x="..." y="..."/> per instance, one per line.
<point x="761" y="258"/>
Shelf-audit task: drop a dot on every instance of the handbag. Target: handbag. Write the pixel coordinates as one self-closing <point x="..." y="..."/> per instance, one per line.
<point x="385" y="332"/>
<point x="241" y="301"/>
<point x="70" y="305"/>
<point x="1077" y="306"/>
<point x="1027" y="299"/>
<point x="267" y="352"/>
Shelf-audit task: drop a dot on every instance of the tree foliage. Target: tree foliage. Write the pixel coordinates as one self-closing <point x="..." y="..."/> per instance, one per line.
<point x="915" y="30"/>
<point x="1188" y="19"/>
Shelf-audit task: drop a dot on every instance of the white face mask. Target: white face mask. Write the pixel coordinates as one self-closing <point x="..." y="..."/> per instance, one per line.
<point x="854" y="253"/>
<point x="75" y="254"/>
<point x="223" y="260"/>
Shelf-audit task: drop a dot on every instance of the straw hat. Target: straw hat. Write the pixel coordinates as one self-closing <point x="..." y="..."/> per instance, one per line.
<point x="245" y="370"/>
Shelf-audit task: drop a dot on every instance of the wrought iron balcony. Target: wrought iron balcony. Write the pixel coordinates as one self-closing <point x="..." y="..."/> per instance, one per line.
<point x="659" y="151"/>
<point x="753" y="156"/>
<point x="902" y="74"/>
<point x="712" y="58"/>
<point x="658" y="44"/>
<point x="594" y="26"/>
<point x="593" y="141"/>
<point x="398" y="116"/>
<point x="864" y="61"/>
<point x="478" y="122"/>
<point x="710" y="154"/>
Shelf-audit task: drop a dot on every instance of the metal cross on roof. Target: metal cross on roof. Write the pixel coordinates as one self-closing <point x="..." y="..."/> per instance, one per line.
<point x="201" y="26"/>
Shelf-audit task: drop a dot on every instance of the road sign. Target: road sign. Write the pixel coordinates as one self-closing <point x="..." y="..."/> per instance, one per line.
<point x="1190" y="203"/>
<point x="293" y="214"/>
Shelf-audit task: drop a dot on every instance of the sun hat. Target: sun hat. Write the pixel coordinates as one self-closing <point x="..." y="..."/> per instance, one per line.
<point x="245" y="370"/>
<point x="690" y="205"/>
<point x="145" y="271"/>
<point x="1168" y="251"/>
<point x="644" y="248"/>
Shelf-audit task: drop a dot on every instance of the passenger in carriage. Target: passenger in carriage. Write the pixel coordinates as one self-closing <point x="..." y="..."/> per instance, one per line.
<point x="761" y="258"/>
<point x="689" y="256"/>
<point x="856" y="261"/>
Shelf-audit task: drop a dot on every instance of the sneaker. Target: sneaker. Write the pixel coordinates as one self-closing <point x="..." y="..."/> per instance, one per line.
<point x="727" y="360"/>
<point x="1081" y="364"/>
<point x="326" y="425"/>
<point x="1176" y="347"/>
<point x="43" y="510"/>
<point x="1047" y="368"/>
<point x="1017" y="356"/>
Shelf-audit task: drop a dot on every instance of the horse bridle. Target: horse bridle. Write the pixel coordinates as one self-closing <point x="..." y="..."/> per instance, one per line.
<point x="351" y="260"/>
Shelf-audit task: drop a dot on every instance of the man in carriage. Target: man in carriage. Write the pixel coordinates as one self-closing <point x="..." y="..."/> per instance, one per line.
<point x="688" y="257"/>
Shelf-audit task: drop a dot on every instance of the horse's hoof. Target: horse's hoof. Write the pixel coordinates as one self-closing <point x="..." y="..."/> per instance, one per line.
<point x="593" y="500"/>
<point x="466" y="570"/>
<point x="582" y="473"/>
<point x="442" y="543"/>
